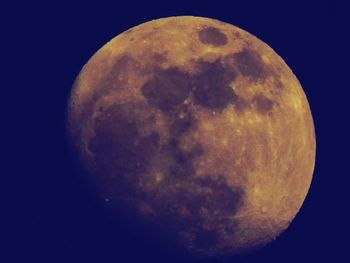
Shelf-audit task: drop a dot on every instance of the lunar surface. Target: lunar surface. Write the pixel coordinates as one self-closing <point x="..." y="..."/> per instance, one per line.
<point x="195" y="131"/>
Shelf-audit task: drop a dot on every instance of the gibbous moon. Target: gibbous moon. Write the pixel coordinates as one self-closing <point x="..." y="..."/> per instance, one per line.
<point x="195" y="132"/>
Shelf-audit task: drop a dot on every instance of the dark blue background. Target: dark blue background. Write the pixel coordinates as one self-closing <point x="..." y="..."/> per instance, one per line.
<point x="61" y="222"/>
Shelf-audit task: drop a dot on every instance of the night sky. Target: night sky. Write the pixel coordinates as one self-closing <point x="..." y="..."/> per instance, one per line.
<point x="62" y="222"/>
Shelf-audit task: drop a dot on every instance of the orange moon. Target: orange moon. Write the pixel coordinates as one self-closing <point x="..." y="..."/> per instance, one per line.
<point x="196" y="131"/>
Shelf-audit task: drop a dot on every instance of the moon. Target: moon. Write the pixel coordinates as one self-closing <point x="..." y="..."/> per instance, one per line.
<point x="197" y="133"/>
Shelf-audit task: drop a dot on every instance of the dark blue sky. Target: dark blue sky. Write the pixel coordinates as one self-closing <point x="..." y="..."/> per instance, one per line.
<point x="62" y="223"/>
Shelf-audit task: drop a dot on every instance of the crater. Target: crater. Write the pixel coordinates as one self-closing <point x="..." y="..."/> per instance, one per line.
<point x="212" y="36"/>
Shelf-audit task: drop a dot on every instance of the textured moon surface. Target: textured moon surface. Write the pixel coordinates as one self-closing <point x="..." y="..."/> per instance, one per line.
<point x="196" y="131"/>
